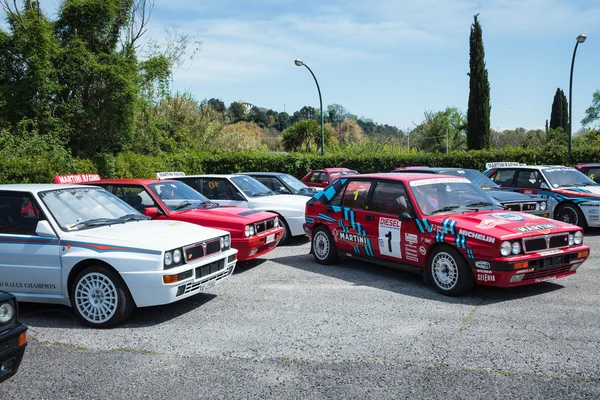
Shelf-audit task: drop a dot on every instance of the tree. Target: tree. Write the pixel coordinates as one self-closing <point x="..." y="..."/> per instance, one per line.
<point x="217" y="105"/>
<point x="478" y="114"/>
<point x="283" y="121"/>
<point x="258" y="116"/>
<point x="592" y="114"/>
<point x="431" y="134"/>
<point x="304" y="135"/>
<point x="559" y="117"/>
<point x="336" y="114"/>
<point x="237" y="112"/>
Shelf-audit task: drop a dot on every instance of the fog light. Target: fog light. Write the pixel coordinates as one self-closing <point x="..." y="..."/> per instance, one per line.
<point x="583" y="254"/>
<point x="521" y="265"/>
<point x="167" y="279"/>
<point x="180" y="290"/>
<point x="7" y="367"/>
<point x="231" y="258"/>
<point x="575" y="266"/>
<point x="252" y="252"/>
<point x="517" y="278"/>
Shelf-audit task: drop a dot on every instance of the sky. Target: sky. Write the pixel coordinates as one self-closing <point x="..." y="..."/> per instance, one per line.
<point x="386" y="60"/>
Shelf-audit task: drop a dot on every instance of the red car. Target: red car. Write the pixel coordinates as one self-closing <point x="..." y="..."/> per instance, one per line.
<point x="323" y="177"/>
<point x="590" y="169"/>
<point x="253" y="233"/>
<point x="443" y="227"/>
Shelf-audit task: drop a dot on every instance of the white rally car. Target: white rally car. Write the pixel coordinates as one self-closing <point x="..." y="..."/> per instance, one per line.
<point x="82" y="246"/>
<point x="245" y="191"/>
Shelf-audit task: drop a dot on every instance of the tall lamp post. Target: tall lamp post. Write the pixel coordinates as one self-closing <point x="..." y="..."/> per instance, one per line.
<point x="300" y="63"/>
<point x="580" y="39"/>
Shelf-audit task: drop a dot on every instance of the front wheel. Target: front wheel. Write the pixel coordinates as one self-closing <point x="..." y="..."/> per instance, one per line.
<point x="449" y="272"/>
<point x="100" y="298"/>
<point x="570" y="214"/>
<point x="323" y="247"/>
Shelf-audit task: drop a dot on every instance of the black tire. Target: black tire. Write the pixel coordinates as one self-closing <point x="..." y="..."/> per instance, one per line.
<point x="571" y="214"/>
<point x="449" y="272"/>
<point x="286" y="230"/>
<point x="100" y="298"/>
<point x="323" y="247"/>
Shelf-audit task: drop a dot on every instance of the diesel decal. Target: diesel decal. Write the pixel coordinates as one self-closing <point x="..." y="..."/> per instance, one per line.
<point x="479" y="236"/>
<point x="353" y="238"/>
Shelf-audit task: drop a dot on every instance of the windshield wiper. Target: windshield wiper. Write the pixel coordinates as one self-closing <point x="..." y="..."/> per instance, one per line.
<point x="480" y="204"/>
<point x="444" y="209"/>
<point x="96" y="222"/>
<point x="183" y="204"/>
<point x="208" y="203"/>
<point x="133" y="217"/>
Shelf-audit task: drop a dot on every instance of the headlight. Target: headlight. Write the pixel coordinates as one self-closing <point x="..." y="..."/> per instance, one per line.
<point x="537" y="206"/>
<point x="173" y="258"/>
<point x="578" y="237"/>
<point x="516" y="247"/>
<point x="7" y="312"/>
<point x="249" y="230"/>
<point x="543" y="205"/>
<point x="225" y="242"/>
<point x="168" y="258"/>
<point x="571" y="239"/>
<point x="276" y="222"/>
<point x="177" y="256"/>
<point x="505" y="248"/>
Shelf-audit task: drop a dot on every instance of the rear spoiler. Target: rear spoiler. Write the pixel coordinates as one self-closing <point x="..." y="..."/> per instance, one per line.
<point x="169" y="175"/>
<point x="77" y="178"/>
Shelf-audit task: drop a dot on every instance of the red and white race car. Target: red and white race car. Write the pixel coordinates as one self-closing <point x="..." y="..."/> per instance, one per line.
<point x="444" y="227"/>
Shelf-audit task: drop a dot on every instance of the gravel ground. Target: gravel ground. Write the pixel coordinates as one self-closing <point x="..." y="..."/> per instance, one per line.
<point x="287" y="327"/>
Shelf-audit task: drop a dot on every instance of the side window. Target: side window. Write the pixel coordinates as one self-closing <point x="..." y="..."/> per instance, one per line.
<point x="218" y="189"/>
<point x="135" y="196"/>
<point x="316" y="177"/>
<point x="529" y="179"/>
<point x="390" y="198"/>
<point x="191" y="182"/>
<point x="594" y="174"/>
<point x="356" y="194"/>
<point x="270" y="182"/>
<point x="504" y="177"/>
<point x="19" y="214"/>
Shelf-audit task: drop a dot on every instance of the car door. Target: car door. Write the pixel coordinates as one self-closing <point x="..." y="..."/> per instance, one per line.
<point x="530" y="181"/>
<point x="396" y="240"/>
<point x="29" y="263"/>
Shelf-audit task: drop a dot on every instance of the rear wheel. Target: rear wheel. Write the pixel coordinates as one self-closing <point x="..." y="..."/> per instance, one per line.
<point x="323" y="247"/>
<point x="100" y="298"/>
<point x="570" y="214"/>
<point x="286" y="230"/>
<point x="449" y="272"/>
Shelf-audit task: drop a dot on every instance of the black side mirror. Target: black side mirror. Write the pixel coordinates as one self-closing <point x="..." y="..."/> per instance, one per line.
<point x="404" y="216"/>
<point x="238" y="197"/>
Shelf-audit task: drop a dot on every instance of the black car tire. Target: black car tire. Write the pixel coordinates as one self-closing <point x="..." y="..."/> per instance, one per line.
<point x="100" y="298"/>
<point x="449" y="272"/>
<point x="570" y="213"/>
<point x="286" y="230"/>
<point x="323" y="247"/>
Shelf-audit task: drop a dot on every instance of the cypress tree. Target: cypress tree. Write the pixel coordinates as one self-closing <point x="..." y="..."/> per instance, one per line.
<point x="559" y="117"/>
<point x="478" y="114"/>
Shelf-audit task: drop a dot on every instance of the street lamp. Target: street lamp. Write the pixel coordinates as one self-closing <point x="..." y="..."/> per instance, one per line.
<point x="580" y="39"/>
<point x="300" y="63"/>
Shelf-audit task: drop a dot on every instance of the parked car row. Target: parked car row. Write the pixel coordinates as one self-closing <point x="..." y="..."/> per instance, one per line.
<point x="107" y="246"/>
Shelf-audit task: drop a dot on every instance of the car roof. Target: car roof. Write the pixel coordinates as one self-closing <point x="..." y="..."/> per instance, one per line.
<point x="407" y="177"/>
<point x="263" y="173"/>
<point x="588" y="165"/>
<point x="207" y="176"/>
<point x="335" y="169"/>
<point x="432" y="169"/>
<point x="133" y="181"/>
<point x="37" y="187"/>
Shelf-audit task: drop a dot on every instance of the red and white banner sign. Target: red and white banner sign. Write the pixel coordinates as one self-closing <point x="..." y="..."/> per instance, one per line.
<point x="78" y="178"/>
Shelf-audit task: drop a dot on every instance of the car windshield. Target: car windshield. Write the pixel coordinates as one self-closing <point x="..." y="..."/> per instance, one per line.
<point x="336" y="175"/>
<point x="293" y="182"/>
<point x="251" y="187"/>
<point x="177" y="196"/>
<point x="567" y="177"/>
<point x="474" y="176"/>
<point x="82" y="208"/>
<point x="450" y="195"/>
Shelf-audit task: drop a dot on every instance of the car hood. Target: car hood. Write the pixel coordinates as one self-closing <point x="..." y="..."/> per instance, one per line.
<point x="505" y="196"/>
<point x="154" y="235"/>
<point x="281" y="202"/>
<point x="497" y="226"/>
<point x="309" y="191"/>
<point x="240" y="215"/>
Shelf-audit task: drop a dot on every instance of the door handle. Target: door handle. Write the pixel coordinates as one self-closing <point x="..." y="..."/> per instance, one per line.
<point x="369" y="217"/>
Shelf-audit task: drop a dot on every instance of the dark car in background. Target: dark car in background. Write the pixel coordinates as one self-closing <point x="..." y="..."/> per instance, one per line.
<point x="590" y="169"/>
<point x="510" y="200"/>
<point x="323" y="177"/>
<point x="283" y="183"/>
<point x="13" y="336"/>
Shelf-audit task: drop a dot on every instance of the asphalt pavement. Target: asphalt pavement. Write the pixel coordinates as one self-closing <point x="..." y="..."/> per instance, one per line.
<point x="287" y="327"/>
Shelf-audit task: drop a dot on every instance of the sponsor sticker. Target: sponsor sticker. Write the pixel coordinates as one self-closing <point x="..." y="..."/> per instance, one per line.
<point x="508" y="216"/>
<point x="422" y="250"/>
<point x="482" y="265"/>
<point x="167" y="175"/>
<point x="549" y="252"/>
<point x="78" y="178"/>
<point x="411" y="258"/>
<point x="491" y="165"/>
<point x="410" y="237"/>
<point x="538" y="227"/>
<point x="490" y="223"/>
<point x="353" y="238"/>
<point x="524" y="271"/>
<point x="486" y="277"/>
<point x="389" y="237"/>
<point x="433" y="181"/>
<point x="478" y="236"/>
<point x="545" y="279"/>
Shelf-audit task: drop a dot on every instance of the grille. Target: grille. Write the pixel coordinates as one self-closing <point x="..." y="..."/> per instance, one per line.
<point x="545" y="242"/>
<point x="211" y="268"/>
<point x="547" y="272"/>
<point x="199" y="250"/>
<point x="264" y="225"/>
<point x="191" y="287"/>
<point x="520" y="206"/>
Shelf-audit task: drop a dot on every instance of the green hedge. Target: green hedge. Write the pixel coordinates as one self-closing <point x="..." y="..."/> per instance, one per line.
<point x="41" y="162"/>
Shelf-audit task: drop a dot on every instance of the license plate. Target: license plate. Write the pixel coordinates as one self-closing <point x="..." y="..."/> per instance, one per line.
<point x="208" y="285"/>
<point x="270" y="238"/>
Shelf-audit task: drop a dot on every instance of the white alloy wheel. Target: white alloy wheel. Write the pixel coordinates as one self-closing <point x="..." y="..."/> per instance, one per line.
<point x="321" y="244"/>
<point x="444" y="271"/>
<point x="96" y="297"/>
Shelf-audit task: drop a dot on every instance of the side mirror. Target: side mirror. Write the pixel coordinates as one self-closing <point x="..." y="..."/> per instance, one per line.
<point x="544" y="186"/>
<point x="324" y="183"/>
<point x="151" y="212"/>
<point x="404" y="216"/>
<point x="44" y="229"/>
<point x="283" y="190"/>
<point x="237" y="196"/>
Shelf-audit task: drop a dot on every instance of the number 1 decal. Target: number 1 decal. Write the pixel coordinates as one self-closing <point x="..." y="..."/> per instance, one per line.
<point x="389" y="237"/>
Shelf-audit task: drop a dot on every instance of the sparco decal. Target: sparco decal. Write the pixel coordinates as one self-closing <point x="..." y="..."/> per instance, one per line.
<point x="508" y="216"/>
<point x="490" y="223"/>
<point x="353" y="238"/>
<point x="538" y="227"/>
<point x="479" y="236"/>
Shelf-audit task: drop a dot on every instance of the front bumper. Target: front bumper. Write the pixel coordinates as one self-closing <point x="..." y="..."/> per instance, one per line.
<point x="12" y="348"/>
<point x="256" y="246"/>
<point x="148" y="288"/>
<point x="529" y="269"/>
